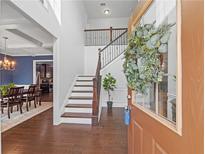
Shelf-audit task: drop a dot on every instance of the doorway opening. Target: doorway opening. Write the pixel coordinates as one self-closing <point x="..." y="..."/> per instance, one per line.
<point x="43" y="76"/>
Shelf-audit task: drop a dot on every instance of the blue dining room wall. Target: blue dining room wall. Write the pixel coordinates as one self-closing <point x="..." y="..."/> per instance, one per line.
<point x="23" y="74"/>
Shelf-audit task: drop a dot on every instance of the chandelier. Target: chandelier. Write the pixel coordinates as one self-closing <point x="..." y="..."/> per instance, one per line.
<point x="7" y="64"/>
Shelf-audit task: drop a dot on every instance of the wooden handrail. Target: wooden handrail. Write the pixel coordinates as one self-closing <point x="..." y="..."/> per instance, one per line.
<point x="113" y="41"/>
<point x="96" y="91"/>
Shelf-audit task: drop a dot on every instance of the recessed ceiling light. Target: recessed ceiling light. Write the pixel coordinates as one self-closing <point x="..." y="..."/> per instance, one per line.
<point x="107" y="12"/>
<point x="102" y="4"/>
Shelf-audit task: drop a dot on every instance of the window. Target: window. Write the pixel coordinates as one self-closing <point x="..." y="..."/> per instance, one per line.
<point x="162" y="100"/>
<point x="55" y="6"/>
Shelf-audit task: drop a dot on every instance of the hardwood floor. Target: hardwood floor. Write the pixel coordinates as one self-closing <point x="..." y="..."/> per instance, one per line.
<point x="47" y="97"/>
<point x="39" y="136"/>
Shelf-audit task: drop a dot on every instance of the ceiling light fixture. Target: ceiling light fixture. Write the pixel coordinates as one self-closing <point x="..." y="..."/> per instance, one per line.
<point x="7" y="64"/>
<point x="107" y="12"/>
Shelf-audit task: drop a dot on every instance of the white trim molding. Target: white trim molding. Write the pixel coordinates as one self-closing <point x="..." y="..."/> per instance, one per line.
<point x="34" y="68"/>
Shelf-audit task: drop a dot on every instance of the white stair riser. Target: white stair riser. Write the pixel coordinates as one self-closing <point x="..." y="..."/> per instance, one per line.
<point x="84" y="83"/>
<point x="82" y="94"/>
<point x="84" y="78"/>
<point x="74" y="101"/>
<point x="83" y="88"/>
<point x="76" y="120"/>
<point x="78" y="110"/>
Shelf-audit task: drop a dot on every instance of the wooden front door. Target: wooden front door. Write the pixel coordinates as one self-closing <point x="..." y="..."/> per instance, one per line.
<point x="146" y="135"/>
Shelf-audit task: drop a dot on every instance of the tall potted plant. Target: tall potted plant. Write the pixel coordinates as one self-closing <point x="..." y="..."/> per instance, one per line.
<point x="109" y="84"/>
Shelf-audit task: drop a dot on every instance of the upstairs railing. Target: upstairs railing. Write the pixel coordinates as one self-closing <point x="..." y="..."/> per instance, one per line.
<point x="96" y="92"/>
<point x="114" y="49"/>
<point x="102" y="37"/>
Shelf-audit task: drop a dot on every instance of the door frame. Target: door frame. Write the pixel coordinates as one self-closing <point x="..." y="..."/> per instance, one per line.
<point x="34" y="68"/>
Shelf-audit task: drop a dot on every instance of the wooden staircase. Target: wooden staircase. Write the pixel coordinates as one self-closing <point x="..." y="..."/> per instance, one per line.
<point x="79" y="109"/>
<point x="83" y="104"/>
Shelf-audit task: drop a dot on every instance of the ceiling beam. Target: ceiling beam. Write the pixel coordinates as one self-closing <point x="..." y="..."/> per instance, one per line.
<point x="9" y="26"/>
<point x="32" y="48"/>
<point x="27" y="51"/>
<point x="13" y="21"/>
<point x="25" y="36"/>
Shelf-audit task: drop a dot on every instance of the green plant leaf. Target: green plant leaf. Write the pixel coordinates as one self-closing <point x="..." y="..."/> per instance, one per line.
<point x="163" y="48"/>
<point x="165" y="38"/>
<point x="142" y="66"/>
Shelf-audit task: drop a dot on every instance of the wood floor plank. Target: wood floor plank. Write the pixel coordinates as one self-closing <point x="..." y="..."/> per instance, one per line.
<point x="81" y="97"/>
<point x="76" y="115"/>
<point x="39" y="136"/>
<point x="79" y="106"/>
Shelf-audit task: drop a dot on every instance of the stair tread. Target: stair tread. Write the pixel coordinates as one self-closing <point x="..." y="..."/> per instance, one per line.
<point x="79" y="105"/>
<point x="82" y="91"/>
<point x="77" y="115"/>
<point x="81" y="97"/>
<point x="83" y="86"/>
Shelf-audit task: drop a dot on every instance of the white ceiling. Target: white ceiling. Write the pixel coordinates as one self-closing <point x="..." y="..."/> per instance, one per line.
<point x="118" y="8"/>
<point x="24" y="37"/>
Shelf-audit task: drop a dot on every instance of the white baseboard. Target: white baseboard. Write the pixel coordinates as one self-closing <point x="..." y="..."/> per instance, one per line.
<point x="75" y="101"/>
<point x="77" y="120"/>
<point x="78" y="110"/>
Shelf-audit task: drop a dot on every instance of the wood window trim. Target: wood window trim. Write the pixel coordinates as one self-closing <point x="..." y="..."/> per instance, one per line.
<point x="134" y="20"/>
<point x="139" y="11"/>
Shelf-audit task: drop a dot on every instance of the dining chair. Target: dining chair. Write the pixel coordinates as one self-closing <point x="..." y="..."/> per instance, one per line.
<point x="14" y="98"/>
<point x="29" y="96"/>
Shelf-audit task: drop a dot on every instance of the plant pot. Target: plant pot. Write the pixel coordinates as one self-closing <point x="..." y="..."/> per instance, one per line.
<point x="109" y="104"/>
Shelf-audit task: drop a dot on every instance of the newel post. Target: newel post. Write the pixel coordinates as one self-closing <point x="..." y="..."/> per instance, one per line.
<point x="94" y="104"/>
<point x="94" y="96"/>
<point x="99" y="57"/>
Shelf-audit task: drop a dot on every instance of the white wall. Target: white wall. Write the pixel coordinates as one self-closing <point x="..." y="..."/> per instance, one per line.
<point x="107" y="23"/>
<point x="90" y="63"/>
<point x="91" y="59"/>
<point x="119" y="95"/>
<point x="71" y="54"/>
